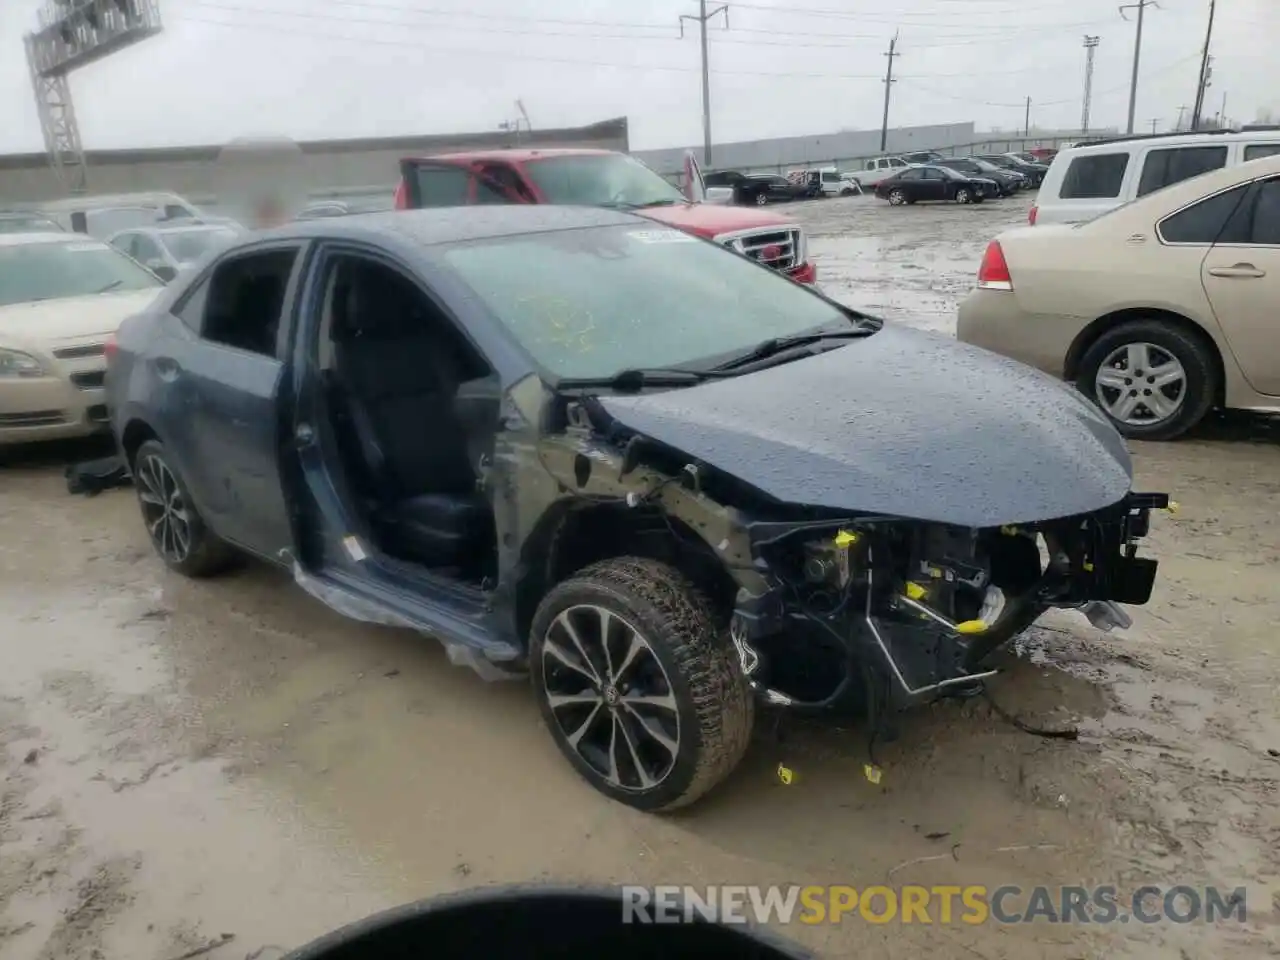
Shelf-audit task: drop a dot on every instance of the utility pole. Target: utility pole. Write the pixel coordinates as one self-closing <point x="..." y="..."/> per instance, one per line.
<point x="1154" y="122"/>
<point x="888" y="86"/>
<point x="1203" y="83"/>
<point x="1026" y="126"/>
<point x="1090" y="47"/>
<point x="1141" y="7"/>
<point x="1222" y="116"/>
<point x="703" y="16"/>
<point x="1182" y="112"/>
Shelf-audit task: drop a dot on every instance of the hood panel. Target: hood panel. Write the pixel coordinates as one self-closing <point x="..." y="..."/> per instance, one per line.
<point x="903" y="423"/>
<point x="712" y="219"/>
<point x="74" y="318"/>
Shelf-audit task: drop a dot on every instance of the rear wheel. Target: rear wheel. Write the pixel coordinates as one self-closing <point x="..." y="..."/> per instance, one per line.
<point x="761" y="199"/>
<point x="964" y="195"/>
<point x="897" y="197"/>
<point x="640" y="689"/>
<point x="176" y="529"/>
<point x="1153" y="380"/>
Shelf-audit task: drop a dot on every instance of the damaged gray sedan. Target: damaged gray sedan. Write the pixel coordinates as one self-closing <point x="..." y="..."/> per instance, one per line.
<point x="660" y="480"/>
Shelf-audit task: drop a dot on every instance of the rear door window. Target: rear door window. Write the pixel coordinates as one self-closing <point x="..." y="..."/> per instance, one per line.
<point x="1255" y="151"/>
<point x="1257" y="220"/>
<point x="442" y="186"/>
<point x="1163" y="167"/>
<point x="1202" y="222"/>
<point x="1095" y="177"/>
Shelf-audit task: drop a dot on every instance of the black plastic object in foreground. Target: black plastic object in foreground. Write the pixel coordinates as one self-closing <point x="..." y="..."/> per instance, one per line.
<point x="524" y="923"/>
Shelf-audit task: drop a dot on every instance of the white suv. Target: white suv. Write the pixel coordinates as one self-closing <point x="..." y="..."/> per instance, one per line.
<point x="1090" y="179"/>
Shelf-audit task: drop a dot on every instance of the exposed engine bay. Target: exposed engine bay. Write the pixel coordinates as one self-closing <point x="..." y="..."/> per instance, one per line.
<point x="927" y="604"/>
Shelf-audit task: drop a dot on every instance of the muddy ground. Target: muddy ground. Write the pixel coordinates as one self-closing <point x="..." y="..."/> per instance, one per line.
<point x="226" y="769"/>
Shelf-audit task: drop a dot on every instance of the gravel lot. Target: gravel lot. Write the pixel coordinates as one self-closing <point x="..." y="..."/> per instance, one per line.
<point x="228" y="765"/>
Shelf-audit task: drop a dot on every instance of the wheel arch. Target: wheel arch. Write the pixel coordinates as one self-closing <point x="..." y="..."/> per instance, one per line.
<point x="136" y="432"/>
<point x="573" y="536"/>
<point x="1087" y="337"/>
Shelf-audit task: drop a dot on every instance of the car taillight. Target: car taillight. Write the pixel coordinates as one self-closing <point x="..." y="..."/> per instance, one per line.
<point x="402" y="197"/>
<point x="1032" y="214"/>
<point x="994" y="272"/>
<point x="109" y="348"/>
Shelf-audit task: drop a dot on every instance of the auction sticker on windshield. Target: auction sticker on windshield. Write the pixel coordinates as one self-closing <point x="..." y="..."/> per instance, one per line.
<point x="660" y="236"/>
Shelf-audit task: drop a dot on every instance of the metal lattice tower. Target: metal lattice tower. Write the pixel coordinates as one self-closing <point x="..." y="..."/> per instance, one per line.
<point x="1090" y="47"/>
<point x="71" y="34"/>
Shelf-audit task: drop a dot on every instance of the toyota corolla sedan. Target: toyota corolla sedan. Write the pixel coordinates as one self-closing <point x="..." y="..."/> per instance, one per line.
<point x="659" y="479"/>
<point x="61" y="296"/>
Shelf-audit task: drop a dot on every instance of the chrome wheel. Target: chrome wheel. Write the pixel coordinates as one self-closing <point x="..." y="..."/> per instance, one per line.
<point x="897" y="198"/>
<point x="963" y="195"/>
<point x="163" y="509"/>
<point x="610" y="697"/>
<point x="1140" y="384"/>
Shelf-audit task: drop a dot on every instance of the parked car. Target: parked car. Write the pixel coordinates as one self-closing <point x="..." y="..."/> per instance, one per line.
<point x="823" y="182"/>
<point x="760" y="189"/>
<point x="1158" y="310"/>
<point x="1043" y="154"/>
<point x="935" y="183"/>
<point x="61" y="296"/>
<point x="166" y="251"/>
<point x="612" y="180"/>
<point x="1088" y="180"/>
<point x="101" y="215"/>
<point x="879" y="168"/>
<point x="923" y="156"/>
<point x="1032" y="172"/>
<point x="722" y="186"/>
<point x="14" y="221"/>
<point x="566" y="441"/>
<point x="323" y="208"/>
<point x="1007" y="182"/>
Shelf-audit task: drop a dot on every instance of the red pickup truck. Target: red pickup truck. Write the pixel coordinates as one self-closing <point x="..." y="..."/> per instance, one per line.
<point x="603" y="178"/>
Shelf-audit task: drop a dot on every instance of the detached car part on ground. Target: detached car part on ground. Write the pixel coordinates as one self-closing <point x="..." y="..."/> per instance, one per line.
<point x="1159" y="310"/>
<point x="658" y="477"/>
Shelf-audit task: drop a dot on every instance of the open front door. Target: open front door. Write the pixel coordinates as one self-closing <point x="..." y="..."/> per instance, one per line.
<point x="695" y="187"/>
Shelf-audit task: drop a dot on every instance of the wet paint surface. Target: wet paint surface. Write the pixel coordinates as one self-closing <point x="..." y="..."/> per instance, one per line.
<point x="231" y="757"/>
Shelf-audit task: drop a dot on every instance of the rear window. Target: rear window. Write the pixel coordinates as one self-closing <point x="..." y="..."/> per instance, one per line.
<point x="1202" y="222"/>
<point x="1165" y="167"/>
<point x="1256" y="151"/>
<point x="441" y="186"/>
<point x="1095" y="177"/>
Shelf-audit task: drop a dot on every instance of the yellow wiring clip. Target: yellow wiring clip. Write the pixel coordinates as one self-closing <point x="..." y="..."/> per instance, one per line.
<point x="915" y="591"/>
<point x="1010" y="531"/>
<point x="786" y="775"/>
<point x="846" y="538"/>
<point x="1173" y="506"/>
<point x="1088" y="566"/>
<point x="871" y="772"/>
<point x="969" y="627"/>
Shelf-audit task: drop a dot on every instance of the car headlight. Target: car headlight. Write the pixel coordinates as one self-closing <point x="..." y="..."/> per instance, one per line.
<point x="15" y="363"/>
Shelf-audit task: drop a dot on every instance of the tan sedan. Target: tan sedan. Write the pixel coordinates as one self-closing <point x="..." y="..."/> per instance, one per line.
<point x="1158" y="310"/>
<point x="62" y="295"/>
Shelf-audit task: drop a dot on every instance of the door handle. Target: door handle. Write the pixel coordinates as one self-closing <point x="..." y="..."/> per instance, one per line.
<point x="1239" y="271"/>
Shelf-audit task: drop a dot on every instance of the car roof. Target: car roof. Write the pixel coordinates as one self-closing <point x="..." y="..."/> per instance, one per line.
<point x="44" y="236"/>
<point x="108" y="200"/>
<point x="455" y="224"/>
<point x="516" y="155"/>
<point x="1206" y="138"/>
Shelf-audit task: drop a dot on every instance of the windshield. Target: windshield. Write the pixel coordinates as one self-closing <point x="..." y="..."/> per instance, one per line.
<point x="28" y="225"/>
<point x="588" y="303"/>
<point x="190" y="245"/>
<point x="51" y="271"/>
<point x="601" y="180"/>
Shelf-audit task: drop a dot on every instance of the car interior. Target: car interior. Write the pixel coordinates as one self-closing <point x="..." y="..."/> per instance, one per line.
<point x="413" y="408"/>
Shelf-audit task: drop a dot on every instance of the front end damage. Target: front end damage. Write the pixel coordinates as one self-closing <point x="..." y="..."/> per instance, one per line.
<point x="922" y="606"/>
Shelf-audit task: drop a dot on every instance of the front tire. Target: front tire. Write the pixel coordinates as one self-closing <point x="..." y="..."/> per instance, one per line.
<point x="639" y="686"/>
<point x="177" y="531"/>
<point x="761" y="199"/>
<point x="1153" y="380"/>
<point x="964" y="195"/>
<point x="897" y="198"/>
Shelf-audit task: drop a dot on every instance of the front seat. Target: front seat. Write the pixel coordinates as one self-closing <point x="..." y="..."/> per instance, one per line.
<point x="393" y="378"/>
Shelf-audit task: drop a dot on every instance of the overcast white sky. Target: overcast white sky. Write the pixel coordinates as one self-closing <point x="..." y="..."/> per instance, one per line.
<point x="346" y="68"/>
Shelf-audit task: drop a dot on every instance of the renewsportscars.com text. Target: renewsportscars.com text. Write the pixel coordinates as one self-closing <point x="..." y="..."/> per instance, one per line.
<point x="971" y="905"/>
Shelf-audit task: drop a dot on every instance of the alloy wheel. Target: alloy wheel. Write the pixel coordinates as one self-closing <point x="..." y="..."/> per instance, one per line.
<point x="164" y="509"/>
<point x="610" y="697"/>
<point x="897" y="198"/>
<point x="1140" y="384"/>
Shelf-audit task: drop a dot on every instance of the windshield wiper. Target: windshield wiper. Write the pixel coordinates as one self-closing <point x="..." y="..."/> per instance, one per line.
<point x="776" y="345"/>
<point x="110" y="286"/>
<point x="637" y="378"/>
